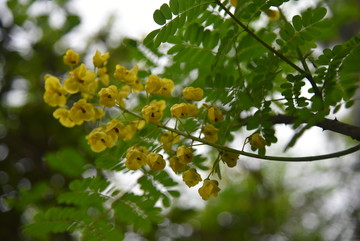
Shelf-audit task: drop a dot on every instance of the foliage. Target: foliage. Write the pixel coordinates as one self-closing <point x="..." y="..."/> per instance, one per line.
<point x="137" y="122"/>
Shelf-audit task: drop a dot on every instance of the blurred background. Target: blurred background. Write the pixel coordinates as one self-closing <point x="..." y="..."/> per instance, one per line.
<point x="259" y="200"/>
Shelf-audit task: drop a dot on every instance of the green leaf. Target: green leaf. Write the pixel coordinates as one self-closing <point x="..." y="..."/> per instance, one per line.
<point x="159" y="17"/>
<point x="82" y="198"/>
<point x="93" y="183"/>
<point x="306" y="18"/>
<point x="328" y="53"/>
<point x="54" y="220"/>
<point x="175" y="25"/>
<point x="166" y="201"/>
<point x="160" y="37"/>
<point x="174" y="6"/>
<point x="166" y="11"/>
<point x="149" y="38"/>
<point x="68" y="161"/>
<point x="297" y="22"/>
<point x="168" y="31"/>
<point x="289" y="29"/>
<point x="286" y="86"/>
<point x="283" y="34"/>
<point x="175" y="49"/>
<point x="318" y="14"/>
<point x="182" y="5"/>
<point x="174" y="193"/>
<point x="164" y="178"/>
<point x="109" y="162"/>
<point x="349" y="104"/>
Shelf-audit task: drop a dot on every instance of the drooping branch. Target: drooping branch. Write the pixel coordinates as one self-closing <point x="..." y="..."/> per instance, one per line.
<point x="248" y="154"/>
<point x="327" y="124"/>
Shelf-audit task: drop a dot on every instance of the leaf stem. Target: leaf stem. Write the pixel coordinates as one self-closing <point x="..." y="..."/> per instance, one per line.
<point x="277" y="53"/>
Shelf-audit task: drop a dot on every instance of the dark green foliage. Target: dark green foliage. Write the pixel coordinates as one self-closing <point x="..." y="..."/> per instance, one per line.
<point x="159" y="17"/>
<point x="54" y="220"/>
<point x="303" y="30"/>
<point x="67" y="161"/>
<point x="137" y="211"/>
<point x="86" y="211"/>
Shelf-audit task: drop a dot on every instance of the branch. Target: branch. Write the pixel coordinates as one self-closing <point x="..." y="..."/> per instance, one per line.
<point x="248" y="154"/>
<point x="327" y="124"/>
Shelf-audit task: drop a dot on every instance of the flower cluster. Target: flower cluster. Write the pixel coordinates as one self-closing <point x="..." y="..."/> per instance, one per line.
<point x="86" y="95"/>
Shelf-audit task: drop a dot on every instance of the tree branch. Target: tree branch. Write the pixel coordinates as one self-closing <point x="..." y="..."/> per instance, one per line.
<point x="248" y="154"/>
<point x="327" y="124"/>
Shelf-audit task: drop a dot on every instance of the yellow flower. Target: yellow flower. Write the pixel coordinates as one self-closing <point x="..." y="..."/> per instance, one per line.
<point x="211" y="133"/>
<point x="115" y="129"/>
<point x="126" y="76"/>
<point x="176" y="165"/>
<point x="103" y="75"/>
<point x="124" y="91"/>
<point x="209" y="188"/>
<point x="230" y="158"/>
<point x="156" y="86"/>
<point x="167" y="87"/>
<point x="138" y="124"/>
<point x="273" y="15"/>
<point x="214" y="114"/>
<point x="191" y="177"/>
<point x="100" y="60"/>
<point x="184" y="154"/>
<point x="99" y="113"/>
<point x="82" y="111"/>
<point x="99" y="140"/>
<point x="193" y="111"/>
<point x="179" y="110"/>
<point x="155" y="161"/>
<point x="152" y="113"/>
<point x="80" y="79"/>
<point x="63" y="115"/>
<point x="55" y="94"/>
<point x="191" y="93"/>
<point x="153" y="84"/>
<point x="161" y="104"/>
<point x="234" y="2"/>
<point x="137" y="86"/>
<point x="71" y="58"/>
<point x="109" y="96"/>
<point x="168" y="139"/>
<point x="184" y="110"/>
<point x="141" y="149"/>
<point x="257" y="141"/>
<point x="135" y="159"/>
<point x="130" y="130"/>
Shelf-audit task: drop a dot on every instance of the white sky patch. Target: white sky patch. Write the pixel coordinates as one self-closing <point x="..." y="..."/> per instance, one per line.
<point x="133" y="19"/>
<point x="17" y="96"/>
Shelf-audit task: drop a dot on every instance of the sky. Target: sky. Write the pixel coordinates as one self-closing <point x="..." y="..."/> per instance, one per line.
<point x="133" y="18"/>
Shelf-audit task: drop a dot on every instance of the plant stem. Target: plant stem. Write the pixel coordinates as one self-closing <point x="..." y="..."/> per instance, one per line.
<point x="248" y="154"/>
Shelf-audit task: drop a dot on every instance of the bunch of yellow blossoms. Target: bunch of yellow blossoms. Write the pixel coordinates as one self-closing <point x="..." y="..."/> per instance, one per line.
<point x="85" y="96"/>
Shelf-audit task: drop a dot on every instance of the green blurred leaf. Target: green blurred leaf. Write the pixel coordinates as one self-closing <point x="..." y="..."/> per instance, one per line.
<point x="67" y="161"/>
<point x="166" y="11"/>
<point x="297" y="22"/>
<point x="159" y="17"/>
<point x="174" y="6"/>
